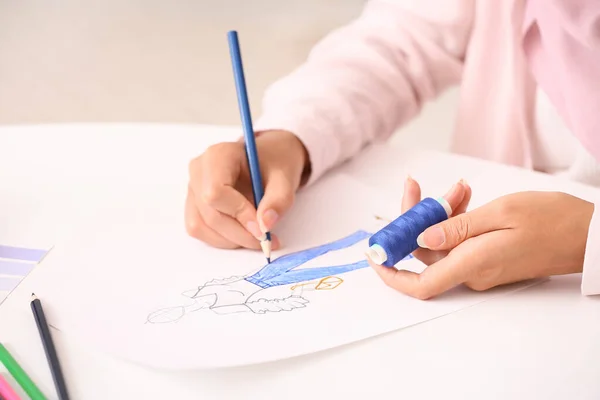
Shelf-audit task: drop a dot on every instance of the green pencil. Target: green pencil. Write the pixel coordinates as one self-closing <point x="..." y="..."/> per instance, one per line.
<point x="20" y="375"/>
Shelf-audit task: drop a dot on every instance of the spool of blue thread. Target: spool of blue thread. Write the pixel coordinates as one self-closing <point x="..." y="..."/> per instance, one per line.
<point x="399" y="238"/>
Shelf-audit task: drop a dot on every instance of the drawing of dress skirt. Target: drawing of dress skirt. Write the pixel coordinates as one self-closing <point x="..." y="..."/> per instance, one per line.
<point x="233" y="295"/>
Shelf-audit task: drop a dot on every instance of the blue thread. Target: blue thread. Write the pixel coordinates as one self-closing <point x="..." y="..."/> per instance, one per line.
<point x="287" y="269"/>
<point x="399" y="238"/>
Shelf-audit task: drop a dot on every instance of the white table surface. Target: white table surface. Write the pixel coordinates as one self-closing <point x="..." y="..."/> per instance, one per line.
<point x="539" y="343"/>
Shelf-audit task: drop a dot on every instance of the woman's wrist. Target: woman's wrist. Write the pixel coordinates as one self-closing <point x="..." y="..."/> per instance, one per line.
<point x="295" y="150"/>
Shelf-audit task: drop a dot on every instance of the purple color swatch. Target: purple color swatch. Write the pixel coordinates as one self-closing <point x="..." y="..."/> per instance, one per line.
<point x="8" y="284"/>
<point x="15" y="268"/>
<point x="22" y="253"/>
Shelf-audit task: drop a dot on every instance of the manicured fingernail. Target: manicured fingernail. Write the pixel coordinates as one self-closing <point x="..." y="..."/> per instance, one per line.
<point x="408" y="183"/>
<point x="420" y="241"/>
<point x="253" y="228"/>
<point x="435" y="238"/>
<point x="453" y="189"/>
<point x="268" y="220"/>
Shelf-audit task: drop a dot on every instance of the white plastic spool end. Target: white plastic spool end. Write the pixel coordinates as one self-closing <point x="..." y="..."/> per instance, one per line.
<point x="377" y="254"/>
<point x="446" y="206"/>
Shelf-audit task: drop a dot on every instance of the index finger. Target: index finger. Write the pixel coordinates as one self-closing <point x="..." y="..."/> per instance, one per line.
<point x="436" y="279"/>
<point x="214" y="185"/>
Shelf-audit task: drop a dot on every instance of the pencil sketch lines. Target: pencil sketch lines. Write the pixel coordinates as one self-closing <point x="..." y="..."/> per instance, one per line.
<point x="243" y="294"/>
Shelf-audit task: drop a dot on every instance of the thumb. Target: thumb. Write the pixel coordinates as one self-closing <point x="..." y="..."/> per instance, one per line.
<point x="450" y="233"/>
<point x="278" y="198"/>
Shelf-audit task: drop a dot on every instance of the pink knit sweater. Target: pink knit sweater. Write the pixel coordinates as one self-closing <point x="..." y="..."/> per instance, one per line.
<point x="367" y="79"/>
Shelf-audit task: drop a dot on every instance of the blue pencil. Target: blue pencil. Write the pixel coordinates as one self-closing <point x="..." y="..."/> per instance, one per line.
<point x="251" y="152"/>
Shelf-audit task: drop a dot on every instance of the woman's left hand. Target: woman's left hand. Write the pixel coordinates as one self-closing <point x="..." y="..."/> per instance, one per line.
<point x="516" y="237"/>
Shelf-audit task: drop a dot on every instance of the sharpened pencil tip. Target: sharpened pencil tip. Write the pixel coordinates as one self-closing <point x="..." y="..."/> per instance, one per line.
<point x="33" y="296"/>
<point x="266" y="249"/>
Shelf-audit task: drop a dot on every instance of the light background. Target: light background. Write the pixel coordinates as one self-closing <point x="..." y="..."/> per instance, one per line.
<point x="164" y="61"/>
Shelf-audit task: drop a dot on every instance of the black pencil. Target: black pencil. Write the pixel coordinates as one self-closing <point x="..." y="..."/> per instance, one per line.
<point x="49" y="349"/>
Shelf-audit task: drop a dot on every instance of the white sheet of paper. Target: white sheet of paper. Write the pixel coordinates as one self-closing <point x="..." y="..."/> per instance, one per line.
<point x="134" y="260"/>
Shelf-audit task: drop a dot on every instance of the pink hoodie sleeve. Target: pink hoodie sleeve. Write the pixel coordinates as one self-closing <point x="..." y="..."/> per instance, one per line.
<point x="365" y="80"/>
<point x="590" y="284"/>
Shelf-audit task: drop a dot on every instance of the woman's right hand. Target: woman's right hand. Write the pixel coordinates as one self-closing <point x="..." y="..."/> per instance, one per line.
<point x="220" y="208"/>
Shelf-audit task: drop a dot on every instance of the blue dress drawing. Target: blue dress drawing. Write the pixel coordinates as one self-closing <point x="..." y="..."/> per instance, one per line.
<point x="231" y="295"/>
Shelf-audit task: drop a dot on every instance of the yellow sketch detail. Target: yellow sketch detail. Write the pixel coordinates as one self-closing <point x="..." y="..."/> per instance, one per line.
<point x="327" y="283"/>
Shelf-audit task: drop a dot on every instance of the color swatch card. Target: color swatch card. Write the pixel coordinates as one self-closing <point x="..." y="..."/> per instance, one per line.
<point x="15" y="264"/>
